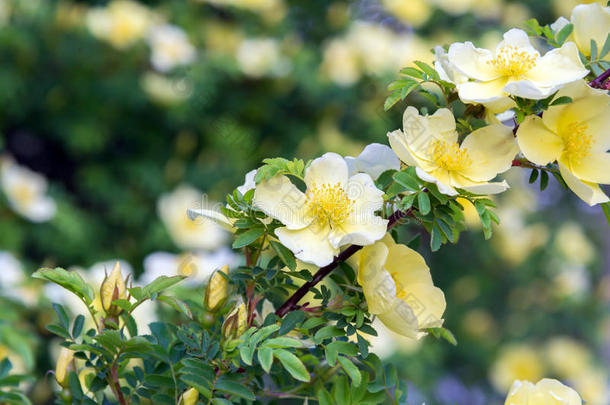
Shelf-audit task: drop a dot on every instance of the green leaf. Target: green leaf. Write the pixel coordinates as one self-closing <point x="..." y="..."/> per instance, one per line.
<point x="423" y="203"/>
<point x="221" y="401"/>
<point x="328" y="332"/>
<point x="444" y="334"/>
<point x="336" y="347"/>
<point x="282" y="341"/>
<point x="390" y="101"/>
<point x="593" y="50"/>
<point x="562" y="100"/>
<point x="429" y="70"/>
<point x="292" y="364"/>
<point x="231" y="387"/>
<point x="564" y="33"/>
<point x="324" y="397"/>
<point x="59" y="331"/>
<point x="351" y="370"/>
<point x="436" y="238"/>
<point x="63" y="317"/>
<point x="606" y="209"/>
<point x="406" y="180"/>
<point x="77" y="328"/>
<point x="161" y="283"/>
<point x="70" y="280"/>
<point x="265" y="358"/>
<point x="341" y="391"/>
<point x="413" y="72"/>
<point x="606" y="48"/>
<point x="199" y="383"/>
<point x="290" y="321"/>
<point x="248" y="237"/>
<point x="533" y="176"/>
<point x="284" y="254"/>
<point x="544" y="180"/>
<point x="177" y="304"/>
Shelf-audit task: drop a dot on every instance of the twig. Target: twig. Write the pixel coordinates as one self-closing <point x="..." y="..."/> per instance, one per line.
<point x="291" y="303"/>
<point x="598" y="82"/>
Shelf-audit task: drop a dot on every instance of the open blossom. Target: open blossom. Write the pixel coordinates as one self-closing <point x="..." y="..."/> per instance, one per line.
<point x="545" y="392"/>
<point x="170" y="47"/>
<point x="591" y="22"/>
<point x="26" y="191"/>
<point x="398" y="288"/>
<point x="516" y="362"/>
<point x="430" y="143"/>
<point x="259" y="57"/>
<point x="373" y="160"/>
<point x="515" y="68"/>
<point x="335" y="210"/>
<point x="188" y="233"/>
<point x="576" y="136"/>
<point x="121" y="22"/>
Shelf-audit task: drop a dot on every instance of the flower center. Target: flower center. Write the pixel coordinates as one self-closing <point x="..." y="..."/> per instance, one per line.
<point x="329" y="203"/>
<point x="400" y="291"/>
<point x="513" y="62"/>
<point x="576" y="143"/>
<point x="23" y="194"/>
<point x="449" y="155"/>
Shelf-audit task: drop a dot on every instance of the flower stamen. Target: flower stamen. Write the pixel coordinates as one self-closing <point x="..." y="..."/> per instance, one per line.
<point x="329" y="203"/>
<point x="513" y="62"/>
<point x="449" y="155"/>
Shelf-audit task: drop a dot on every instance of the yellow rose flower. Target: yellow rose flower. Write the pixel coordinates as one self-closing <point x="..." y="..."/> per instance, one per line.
<point x="216" y="290"/>
<point x="576" y="136"/>
<point x="430" y="143"/>
<point x="516" y="362"/>
<point x="121" y="23"/>
<point x="591" y="21"/>
<point x="515" y="68"/>
<point x="336" y="210"/>
<point x="568" y="357"/>
<point x="545" y="392"/>
<point x="398" y="288"/>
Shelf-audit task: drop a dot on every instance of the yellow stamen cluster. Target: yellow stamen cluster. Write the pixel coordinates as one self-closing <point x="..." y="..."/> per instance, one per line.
<point x="513" y="62"/>
<point x="23" y="194"/>
<point x="449" y="155"/>
<point x="577" y="144"/>
<point x="400" y="291"/>
<point x="329" y="203"/>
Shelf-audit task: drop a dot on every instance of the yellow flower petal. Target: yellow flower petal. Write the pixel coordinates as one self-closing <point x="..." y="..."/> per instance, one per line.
<point x="590" y="193"/>
<point x="483" y="92"/>
<point x="537" y="143"/>
<point x="472" y="61"/>
<point x="329" y="168"/>
<point x="591" y="21"/>
<point x="282" y="200"/>
<point x="310" y="244"/>
<point x="492" y="150"/>
<point x="594" y="168"/>
<point x="557" y="67"/>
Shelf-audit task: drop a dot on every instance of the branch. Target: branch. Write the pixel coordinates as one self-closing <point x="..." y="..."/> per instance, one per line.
<point x="291" y="303"/>
<point x="598" y="82"/>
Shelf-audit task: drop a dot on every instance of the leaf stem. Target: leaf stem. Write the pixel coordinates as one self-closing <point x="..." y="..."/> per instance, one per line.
<point x="598" y="82"/>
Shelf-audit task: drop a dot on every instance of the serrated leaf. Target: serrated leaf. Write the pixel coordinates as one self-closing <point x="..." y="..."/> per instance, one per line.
<point x="161" y="283"/>
<point x="423" y="203"/>
<point x="324" y="397"/>
<point x="544" y="180"/>
<point x="292" y="364"/>
<point x="564" y="33"/>
<point x="290" y="321"/>
<point x="351" y="370"/>
<point x="77" y="327"/>
<point x="70" y="280"/>
<point x="533" y="176"/>
<point x="284" y="254"/>
<point x="248" y="237"/>
<point x="177" y="304"/>
<point x="265" y="358"/>
<point x="406" y="180"/>
<point x="233" y="388"/>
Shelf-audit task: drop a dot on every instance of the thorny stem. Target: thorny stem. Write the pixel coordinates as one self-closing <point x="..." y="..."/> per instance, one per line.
<point x="291" y="303"/>
<point x="529" y="165"/>
<point x="598" y="82"/>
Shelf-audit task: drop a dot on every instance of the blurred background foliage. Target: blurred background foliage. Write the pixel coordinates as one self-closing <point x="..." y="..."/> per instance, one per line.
<point x="116" y="117"/>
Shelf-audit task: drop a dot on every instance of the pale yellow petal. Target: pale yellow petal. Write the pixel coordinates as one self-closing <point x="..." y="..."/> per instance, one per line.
<point x="594" y="168"/>
<point x="519" y="39"/>
<point x="487" y="188"/>
<point x="591" y="21"/>
<point x="472" y="61"/>
<point x="491" y="149"/>
<point x="420" y="131"/>
<point x="282" y="200"/>
<point x="483" y="92"/>
<point x="329" y="168"/>
<point x="557" y="67"/>
<point x="537" y="143"/>
<point x="310" y="244"/>
<point x="397" y="141"/>
<point x="427" y="303"/>
<point x="401" y="319"/>
<point x="377" y="284"/>
<point x="406" y="265"/>
<point x="557" y="390"/>
<point x="590" y="193"/>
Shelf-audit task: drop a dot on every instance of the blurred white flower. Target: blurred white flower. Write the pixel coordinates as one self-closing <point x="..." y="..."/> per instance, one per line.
<point x="121" y="22"/>
<point x="374" y="160"/>
<point x="341" y="62"/>
<point x="258" y="57"/>
<point x="573" y="244"/>
<point x="11" y="272"/>
<point x="170" y="47"/>
<point x="197" y="267"/>
<point x="26" y="191"/>
<point x="594" y="386"/>
<point x="5" y="11"/>
<point x="190" y="234"/>
<point x="164" y="90"/>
